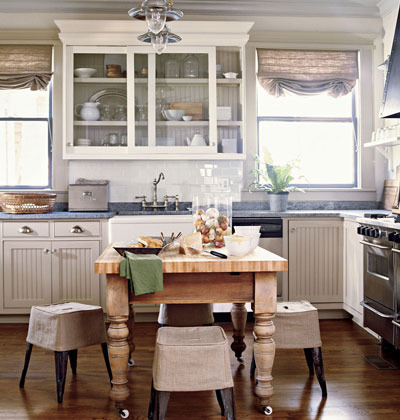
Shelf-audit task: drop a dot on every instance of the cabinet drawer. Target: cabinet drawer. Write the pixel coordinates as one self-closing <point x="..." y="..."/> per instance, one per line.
<point x="25" y="229"/>
<point x="77" y="229"/>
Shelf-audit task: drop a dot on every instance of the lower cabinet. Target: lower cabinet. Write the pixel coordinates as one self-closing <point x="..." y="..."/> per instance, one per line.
<point x="43" y="272"/>
<point x="353" y="271"/>
<point x="316" y="260"/>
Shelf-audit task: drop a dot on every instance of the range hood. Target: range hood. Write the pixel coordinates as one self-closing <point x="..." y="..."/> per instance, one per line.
<point x="390" y="107"/>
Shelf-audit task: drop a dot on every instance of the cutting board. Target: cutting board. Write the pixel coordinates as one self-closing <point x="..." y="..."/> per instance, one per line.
<point x="193" y="109"/>
<point x="390" y="196"/>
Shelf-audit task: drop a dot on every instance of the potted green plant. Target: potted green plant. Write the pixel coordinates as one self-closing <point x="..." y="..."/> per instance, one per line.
<point x="275" y="180"/>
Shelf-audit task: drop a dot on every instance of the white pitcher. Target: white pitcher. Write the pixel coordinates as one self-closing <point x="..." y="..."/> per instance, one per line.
<point x="89" y="111"/>
<point x="197" y="140"/>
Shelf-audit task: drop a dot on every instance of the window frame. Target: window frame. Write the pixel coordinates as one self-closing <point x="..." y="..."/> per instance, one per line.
<point x="353" y="119"/>
<point x="49" y="120"/>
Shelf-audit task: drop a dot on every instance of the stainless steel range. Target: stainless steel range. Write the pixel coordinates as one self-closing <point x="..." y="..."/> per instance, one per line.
<point x="381" y="241"/>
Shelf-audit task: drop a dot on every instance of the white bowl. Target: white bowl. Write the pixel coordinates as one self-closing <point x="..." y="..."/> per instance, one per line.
<point x="230" y="75"/>
<point x="173" y="114"/>
<point x="238" y="245"/>
<point x="83" y="142"/>
<point x="243" y="230"/>
<point x="84" y="72"/>
<point x="187" y="118"/>
<point x="255" y="236"/>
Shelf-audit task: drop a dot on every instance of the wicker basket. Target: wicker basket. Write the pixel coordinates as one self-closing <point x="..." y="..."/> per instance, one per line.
<point x="25" y="203"/>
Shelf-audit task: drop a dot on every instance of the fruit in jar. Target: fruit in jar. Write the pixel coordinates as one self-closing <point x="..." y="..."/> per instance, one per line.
<point x="212" y="226"/>
<point x="219" y="244"/>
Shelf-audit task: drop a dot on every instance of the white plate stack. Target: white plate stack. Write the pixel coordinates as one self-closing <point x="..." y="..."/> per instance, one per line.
<point x="224" y="113"/>
<point x="83" y="142"/>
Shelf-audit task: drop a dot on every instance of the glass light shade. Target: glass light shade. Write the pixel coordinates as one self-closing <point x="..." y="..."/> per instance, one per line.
<point x="156" y="14"/>
<point x="159" y="42"/>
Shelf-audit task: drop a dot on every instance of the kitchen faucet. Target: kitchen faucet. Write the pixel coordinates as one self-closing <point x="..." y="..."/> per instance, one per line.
<point x="156" y="206"/>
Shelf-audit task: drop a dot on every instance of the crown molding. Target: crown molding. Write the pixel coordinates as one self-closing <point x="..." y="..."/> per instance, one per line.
<point x="29" y="36"/>
<point x="349" y="8"/>
<point x="387" y="6"/>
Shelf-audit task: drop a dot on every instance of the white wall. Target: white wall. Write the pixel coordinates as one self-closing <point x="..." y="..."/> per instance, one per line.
<point x="299" y="32"/>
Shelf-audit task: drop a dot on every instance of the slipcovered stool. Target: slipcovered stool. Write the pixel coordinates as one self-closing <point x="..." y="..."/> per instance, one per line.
<point x="186" y="315"/>
<point x="297" y="327"/>
<point x="64" y="328"/>
<point x="191" y="359"/>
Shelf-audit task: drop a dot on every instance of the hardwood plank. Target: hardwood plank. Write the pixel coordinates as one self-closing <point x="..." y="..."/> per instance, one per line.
<point x="357" y="391"/>
<point x="257" y="261"/>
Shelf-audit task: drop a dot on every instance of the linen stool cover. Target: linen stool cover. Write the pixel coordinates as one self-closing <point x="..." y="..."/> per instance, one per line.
<point x="186" y="315"/>
<point x="191" y="359"/>
<point x="66" y="326"/>
<point x="296" y="326"/>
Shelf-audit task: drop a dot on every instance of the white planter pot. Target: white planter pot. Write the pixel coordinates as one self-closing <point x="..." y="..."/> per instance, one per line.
<point x="278" y="202"/>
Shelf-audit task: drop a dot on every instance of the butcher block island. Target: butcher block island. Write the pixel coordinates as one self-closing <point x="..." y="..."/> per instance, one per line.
<point x="198" y="279"/>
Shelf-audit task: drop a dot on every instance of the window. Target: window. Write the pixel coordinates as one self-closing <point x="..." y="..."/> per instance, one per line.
<point x="318" y="130"/>
<point x="25" y="138"/>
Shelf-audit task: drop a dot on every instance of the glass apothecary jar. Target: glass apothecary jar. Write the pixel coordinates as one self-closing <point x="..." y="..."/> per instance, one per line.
<point x="212" y="217"/>
<point x="190" y="66"/>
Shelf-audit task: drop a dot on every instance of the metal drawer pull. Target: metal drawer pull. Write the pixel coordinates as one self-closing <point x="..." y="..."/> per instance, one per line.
<point x="87" y="193"/>
<point x="374" y="245"/>
<point x="25" y="229"/>
<point x="46" y="251"/>
<point x="396" y="323"/>
<point x="365" y="304"/>
<point x="76" y="229"/>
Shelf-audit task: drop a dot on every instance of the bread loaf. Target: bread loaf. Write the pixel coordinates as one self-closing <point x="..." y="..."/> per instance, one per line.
<point x="191" y="240"/>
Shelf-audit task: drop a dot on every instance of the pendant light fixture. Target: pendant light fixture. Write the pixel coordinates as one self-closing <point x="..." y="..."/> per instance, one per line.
<point x="161" y="40"/>
<point x="157" y="13"/>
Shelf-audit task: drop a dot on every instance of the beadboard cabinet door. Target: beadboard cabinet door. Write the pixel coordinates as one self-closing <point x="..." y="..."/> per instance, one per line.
<point x="27" y="273"/>
<point x="353" y="271"/>
<point x="316" y="260"/>
<point x="73" y="277"/>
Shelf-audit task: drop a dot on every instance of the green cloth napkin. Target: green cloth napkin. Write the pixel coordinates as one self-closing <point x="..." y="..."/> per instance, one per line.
<point x="144" y="272"/>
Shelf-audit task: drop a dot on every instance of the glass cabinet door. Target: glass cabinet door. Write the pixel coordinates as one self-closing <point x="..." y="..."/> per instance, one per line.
<point x="175" y="101"/>
<point x="97" y="100"/>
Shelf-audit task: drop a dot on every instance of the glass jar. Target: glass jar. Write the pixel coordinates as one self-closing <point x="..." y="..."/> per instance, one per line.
<point x="190" y="66"/>
<point x="212" y="217"/>
<point x="120" y="113"/>
<point x="171" y="68"/>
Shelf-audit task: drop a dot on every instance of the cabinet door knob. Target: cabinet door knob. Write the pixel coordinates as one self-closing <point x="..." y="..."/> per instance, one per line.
<point x="46" y="251"/>
<point x="292" y="230"/>
<point x="76" y="229"/>
<point x="54" y="251"/>
<point x="25" y="229"/>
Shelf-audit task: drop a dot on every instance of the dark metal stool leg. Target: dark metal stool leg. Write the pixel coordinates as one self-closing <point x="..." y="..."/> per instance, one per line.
<point x="73" y="360"/>
<point x="228" y="399"/>
<point x="161" y="404"/>
<point x="26" y="364"/>
<point x="220" y="401"/>
<point x="253" y="366"/>
<point x="61" y="358"/>
<point x="107" y="360"/>
<point x="319" y="369"/>
<point x="150" y="413"/>
<point x="309" y="358"/>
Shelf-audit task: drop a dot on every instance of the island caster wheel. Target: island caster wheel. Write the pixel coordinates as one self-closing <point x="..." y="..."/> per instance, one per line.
<point x="268" y="410"/>
<point x="131" y="363"/>
<point x="124" y="413"/>
<point x="240" y="360"/>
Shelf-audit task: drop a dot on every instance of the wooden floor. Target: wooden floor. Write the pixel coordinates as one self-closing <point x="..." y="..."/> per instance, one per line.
<point x="356" y="390"/>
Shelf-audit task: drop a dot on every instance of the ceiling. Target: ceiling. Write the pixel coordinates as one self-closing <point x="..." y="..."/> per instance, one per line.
<point x="353" y="8"/>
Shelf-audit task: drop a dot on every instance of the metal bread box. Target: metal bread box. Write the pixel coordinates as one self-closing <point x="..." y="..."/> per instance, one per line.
<point x="88" y="197"/>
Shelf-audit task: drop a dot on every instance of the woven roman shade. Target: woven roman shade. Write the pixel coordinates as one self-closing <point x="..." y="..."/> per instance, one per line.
<point x="307" y="72"/>
<point x="25" y="66"/>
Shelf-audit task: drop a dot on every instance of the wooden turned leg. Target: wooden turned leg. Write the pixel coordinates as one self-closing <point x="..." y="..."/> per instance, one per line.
<point x="309" y="358"/>
<point x="228" y="400"/>
<point x="131" y="322"/>
<point x="319" y="369"/>
<point x="61" y="358"/>
<point x="264" y="354"/>
<point x="107" y="360"/>
<point x="73" y="360"/>
<point x="28" y="353"/>
<point x="118" y="347"/>
<point x="239" y="318"/>
<point x="161" y="404"/>
<point x="118" y="350"/>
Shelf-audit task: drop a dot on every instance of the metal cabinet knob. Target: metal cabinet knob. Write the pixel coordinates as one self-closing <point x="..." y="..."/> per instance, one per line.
<point x="54" y="251"/>
<point x="46" y="251"/>
<point x="292" y="230"/>
<point x="76" y="229"/>
<point x="25" y="229"/>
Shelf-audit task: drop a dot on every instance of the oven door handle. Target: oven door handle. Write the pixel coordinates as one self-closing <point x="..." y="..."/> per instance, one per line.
<point x="382" y="315"/>
<point x="375" y="245"/>
<point x="396" y="323"/>
<point x="396" y="251"/>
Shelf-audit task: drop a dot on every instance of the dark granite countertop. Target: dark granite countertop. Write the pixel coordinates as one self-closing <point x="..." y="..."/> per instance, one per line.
<point x="59" y="215"/>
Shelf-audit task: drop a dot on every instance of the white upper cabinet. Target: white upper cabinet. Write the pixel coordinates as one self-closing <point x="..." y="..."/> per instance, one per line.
<point x="136" y="104"/>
